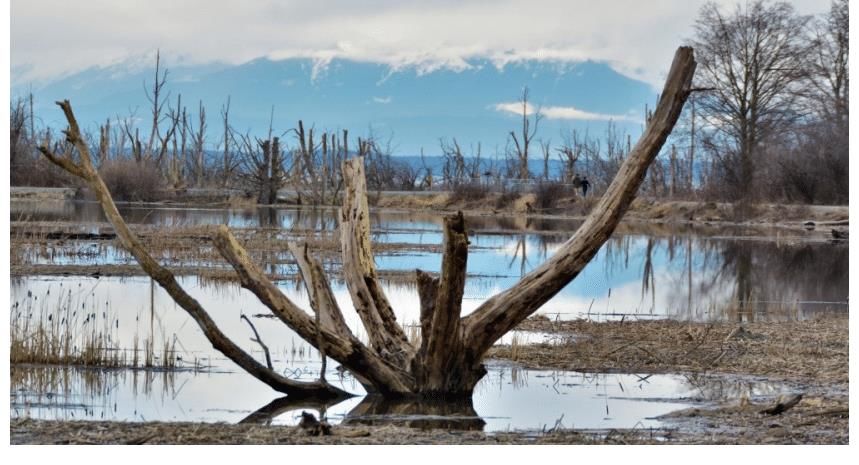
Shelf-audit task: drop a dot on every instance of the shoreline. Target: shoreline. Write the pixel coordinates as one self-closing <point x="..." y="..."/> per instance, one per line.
<point x="643" y="208"/>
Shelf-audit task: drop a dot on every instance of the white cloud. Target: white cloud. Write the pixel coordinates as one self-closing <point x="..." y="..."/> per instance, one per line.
<point x="53" y="37"/>
<point x="563" y="113"/>
<point x="382" y="100"/>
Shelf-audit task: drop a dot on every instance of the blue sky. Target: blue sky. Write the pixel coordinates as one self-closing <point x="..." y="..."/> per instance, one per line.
<point x="407" y="69"/>
<point x="413" y="109"/>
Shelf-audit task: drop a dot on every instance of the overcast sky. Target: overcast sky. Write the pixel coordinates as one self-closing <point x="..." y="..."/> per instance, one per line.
<point x="53" y="37"/>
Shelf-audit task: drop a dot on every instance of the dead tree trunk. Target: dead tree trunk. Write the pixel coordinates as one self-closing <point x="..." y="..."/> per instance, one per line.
<point x="447" y="363"/>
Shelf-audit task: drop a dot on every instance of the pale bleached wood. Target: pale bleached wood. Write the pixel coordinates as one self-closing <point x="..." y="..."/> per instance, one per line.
<point x="385" y="377"/>
<point x="359" y="270"/>
<point x="448" y="363"/>
<point x="322" y="299"/>
<point x="443" y="342"/>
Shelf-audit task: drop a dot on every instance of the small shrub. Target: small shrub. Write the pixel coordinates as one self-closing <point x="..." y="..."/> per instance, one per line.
<point x="547" y="194"/>
<point x="130" y="181"/>
<point x="469" y="191"/>
<point x="505" y="199"/>
<point x="39" y="172"/>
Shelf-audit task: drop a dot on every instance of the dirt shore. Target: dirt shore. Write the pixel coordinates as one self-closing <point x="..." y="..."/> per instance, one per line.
<point x="810" y="358"/>
<point x="643" y="209"/>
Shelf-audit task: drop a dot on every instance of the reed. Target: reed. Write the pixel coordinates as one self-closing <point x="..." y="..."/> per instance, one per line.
<point x="70" y="330"/>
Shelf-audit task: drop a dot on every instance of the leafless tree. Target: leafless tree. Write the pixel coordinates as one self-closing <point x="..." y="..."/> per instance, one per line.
<point x="546" y="149"/>
<point x="571" y="149"/>
<point x="230" y="161"/>
<point x="522" y="142"/>
<point x="753" y="60"/>
<point x="198" y="145"/>
<point x="828" y="71"/>
<point x="157" y="99"/>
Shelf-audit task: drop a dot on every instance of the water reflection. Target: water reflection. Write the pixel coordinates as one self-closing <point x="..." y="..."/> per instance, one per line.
<point x="458" y="414"/>
<point x="508" y="398"/>
<point x="652" y="271"/>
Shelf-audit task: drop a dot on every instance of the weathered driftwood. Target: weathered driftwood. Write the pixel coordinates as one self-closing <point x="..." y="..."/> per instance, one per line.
<point x="386" y="336"/>
<point x="448" y="360"/>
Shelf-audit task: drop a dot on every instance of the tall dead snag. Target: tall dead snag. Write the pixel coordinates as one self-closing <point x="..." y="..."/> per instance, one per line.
<point x="359" y="269"/>
<point x="448" y="362"/>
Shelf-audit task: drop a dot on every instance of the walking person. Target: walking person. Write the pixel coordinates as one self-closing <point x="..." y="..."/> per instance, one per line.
<point x="585" y="186"/>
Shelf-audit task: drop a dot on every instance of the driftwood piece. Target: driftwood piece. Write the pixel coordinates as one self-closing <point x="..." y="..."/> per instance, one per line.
<point x="354" y="355"/>
<point x="322" y="299"/>
<point x="448" y="363"/>
<point x="442" y="345"/>
<point x="427" y="292"/>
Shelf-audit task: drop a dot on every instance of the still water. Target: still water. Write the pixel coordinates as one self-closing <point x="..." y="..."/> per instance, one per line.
<point x="645" y="271"/>
<point x="508" y="398"/>
<point x="642" y="272"/>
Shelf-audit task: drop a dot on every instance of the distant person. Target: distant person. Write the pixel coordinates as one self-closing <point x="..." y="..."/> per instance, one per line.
<point x="585" y="186"/>
<point x="577" y="181"/>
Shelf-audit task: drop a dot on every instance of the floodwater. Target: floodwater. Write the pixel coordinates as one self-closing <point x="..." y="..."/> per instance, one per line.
<point x="642" y="272"/>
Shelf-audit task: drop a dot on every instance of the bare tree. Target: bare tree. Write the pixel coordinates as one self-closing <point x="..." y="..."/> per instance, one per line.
<point x="522" y="142"/>
<point x="198" y="141"/>
<point x="829" y="70"/>
<point x="157" y="98"/>
<point x="447" y="362"/>
<point x="229" y="162"/>
<point x="570" y="151"/>
<point x="753" y="60"/>
<point x="546" y="149"/>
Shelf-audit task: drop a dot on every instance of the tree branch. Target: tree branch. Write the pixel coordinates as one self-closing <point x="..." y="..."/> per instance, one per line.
<point x="504" y="311"/>
<point x="359" y="269"/>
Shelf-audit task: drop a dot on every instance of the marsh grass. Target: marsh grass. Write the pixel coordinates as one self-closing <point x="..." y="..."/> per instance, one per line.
<point x="71" y="330"/>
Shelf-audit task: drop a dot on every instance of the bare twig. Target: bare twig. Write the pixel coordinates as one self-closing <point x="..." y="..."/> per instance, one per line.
<point x="258" y="340"/>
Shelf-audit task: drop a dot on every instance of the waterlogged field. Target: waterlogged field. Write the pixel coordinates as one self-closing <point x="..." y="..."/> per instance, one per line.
<point x="78" y="296"/>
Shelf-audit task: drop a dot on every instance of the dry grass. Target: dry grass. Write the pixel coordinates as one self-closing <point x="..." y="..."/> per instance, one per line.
<point x="27" y="431"/>
<point x="808" y="351"/>
<point x="77" y="331"/>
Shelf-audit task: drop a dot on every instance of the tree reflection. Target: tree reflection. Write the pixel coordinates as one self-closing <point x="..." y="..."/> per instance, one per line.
<point x="457" y="414"/>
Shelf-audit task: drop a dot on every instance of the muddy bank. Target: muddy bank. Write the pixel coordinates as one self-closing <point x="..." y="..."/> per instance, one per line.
<point x="26" y="431"/>
<point x="814" y="420"/>
<point x="516" y="205"/>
